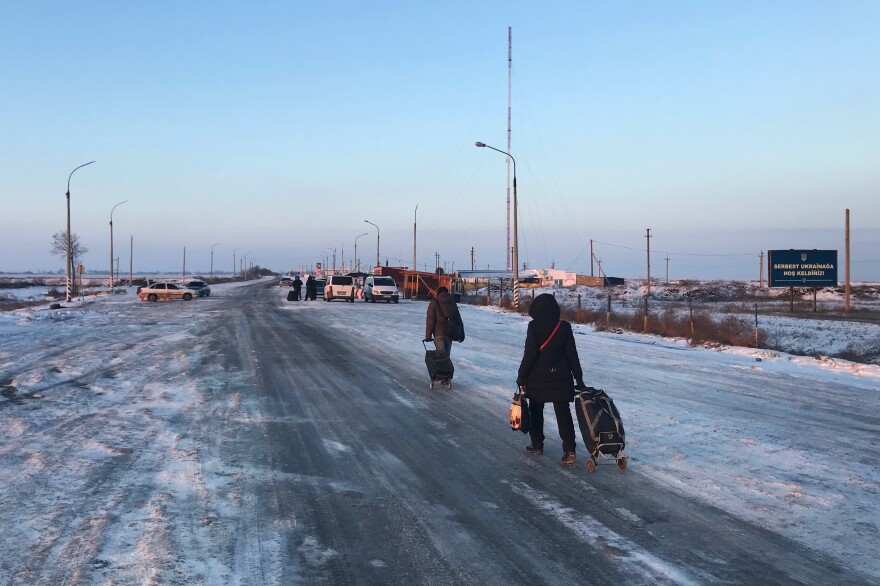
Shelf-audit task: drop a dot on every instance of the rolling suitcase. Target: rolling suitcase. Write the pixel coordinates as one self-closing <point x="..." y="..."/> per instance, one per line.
<point x="439" y="365"/>
<point x="291" y="296"/>
<point x="601" y="427"/>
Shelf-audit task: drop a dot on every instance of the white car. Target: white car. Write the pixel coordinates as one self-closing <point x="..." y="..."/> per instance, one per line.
<point x="339" y="287"/>
<point x="165" y="292"/>
<point x="380" y="288"/>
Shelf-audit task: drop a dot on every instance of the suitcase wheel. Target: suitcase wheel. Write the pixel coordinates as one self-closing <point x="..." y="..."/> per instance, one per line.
<point x="591" y="465"/>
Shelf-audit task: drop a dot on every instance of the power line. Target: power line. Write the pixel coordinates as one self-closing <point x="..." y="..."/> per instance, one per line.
<point x="669" y="252"/>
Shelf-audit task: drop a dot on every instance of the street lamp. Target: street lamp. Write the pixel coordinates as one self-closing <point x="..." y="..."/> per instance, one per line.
<point x="246" y="265"/>
<point x="69" y="254"/>
<point x="234" y="268"/>
<point x="515" y="239"/>
<point x="111" y="243"/>
<point x="377" y="241"/>
<point x="357" y="262"/>
<point x="212" y="259"/>
<point x="415" y="218"/>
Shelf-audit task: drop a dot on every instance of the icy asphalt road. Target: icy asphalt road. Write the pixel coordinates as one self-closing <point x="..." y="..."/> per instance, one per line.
<point x="241" y="439"/>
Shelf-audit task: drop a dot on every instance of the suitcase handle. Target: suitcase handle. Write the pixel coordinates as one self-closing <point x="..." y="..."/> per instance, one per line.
<point x="426" y="345"/>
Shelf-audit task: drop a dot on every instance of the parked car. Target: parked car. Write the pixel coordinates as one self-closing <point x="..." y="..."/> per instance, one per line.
<point x="147" y="283"/>
<point x="200" y="287"/>
<point x="285" y="282"/>
<point x="339" y="287"/>
<point x="165" y="292"/>
<point x="380" y="288"/>
<point x="319" y="287"/>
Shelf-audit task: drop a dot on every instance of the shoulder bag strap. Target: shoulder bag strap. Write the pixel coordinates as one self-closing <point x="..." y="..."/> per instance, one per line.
<point x="440" y="306"/>
<point x="553" y="333"/>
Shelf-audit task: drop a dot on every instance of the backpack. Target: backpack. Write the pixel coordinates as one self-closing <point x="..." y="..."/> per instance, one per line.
<point x="454" y="327"/>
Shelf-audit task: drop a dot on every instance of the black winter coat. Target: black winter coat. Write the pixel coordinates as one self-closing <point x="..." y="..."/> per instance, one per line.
<point x="435" y="324"/>
<point x="549" y="374"/>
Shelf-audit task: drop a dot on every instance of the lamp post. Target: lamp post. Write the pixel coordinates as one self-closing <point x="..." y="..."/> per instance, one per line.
<point x="515" y="239"/>
<point x="358" y="268"/>
<point x="212" y="259"/>
<point x="234" y="268"/>
<point x="377" y="240"/>
<point x="246" y="265"/>
<point x="415" y="218"/>
<point x="111" y="243"/>
<point x="69" y="254"/>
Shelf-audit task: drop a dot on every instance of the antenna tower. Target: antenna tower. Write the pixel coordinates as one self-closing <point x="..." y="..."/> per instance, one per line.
<point x="509" y="77"/>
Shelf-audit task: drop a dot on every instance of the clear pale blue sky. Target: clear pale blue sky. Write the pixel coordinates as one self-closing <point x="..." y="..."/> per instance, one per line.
<point x="278" y="128"/>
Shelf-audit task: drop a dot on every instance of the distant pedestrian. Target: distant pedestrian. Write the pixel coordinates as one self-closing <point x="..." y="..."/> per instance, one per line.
<point x="297" y="287"/>
<point x="443" y="321"/>
<point x="311" y="288"/>
<point x="550" y="371"/>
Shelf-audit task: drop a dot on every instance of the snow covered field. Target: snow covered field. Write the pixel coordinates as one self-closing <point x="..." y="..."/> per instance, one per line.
<point x="731" y="427"/>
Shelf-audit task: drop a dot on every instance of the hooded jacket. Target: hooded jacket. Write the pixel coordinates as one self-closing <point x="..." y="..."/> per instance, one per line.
<point x="435" y="324"/>
<point x="549" y="374"/>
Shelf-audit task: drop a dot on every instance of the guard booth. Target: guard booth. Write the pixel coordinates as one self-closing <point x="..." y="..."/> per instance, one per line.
<point x="424" y="285"/>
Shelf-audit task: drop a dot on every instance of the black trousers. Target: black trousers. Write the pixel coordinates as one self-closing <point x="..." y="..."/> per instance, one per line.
<point x="563" y="419"/>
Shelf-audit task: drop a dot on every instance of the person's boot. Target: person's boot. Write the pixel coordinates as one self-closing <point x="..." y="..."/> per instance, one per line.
<point x="568" y="458"/>
<point x="536" y="449"/>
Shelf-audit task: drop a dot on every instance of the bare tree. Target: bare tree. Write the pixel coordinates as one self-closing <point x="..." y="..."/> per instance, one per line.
<point x="77" y="250"/>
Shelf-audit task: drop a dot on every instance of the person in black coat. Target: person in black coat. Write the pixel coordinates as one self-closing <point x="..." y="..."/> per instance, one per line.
<point x="311" y="288"/>
<point x="551" y="374"/>
<point x="297" y="287"/>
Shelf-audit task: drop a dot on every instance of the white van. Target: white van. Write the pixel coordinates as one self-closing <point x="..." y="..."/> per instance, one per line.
<point x="339" y="287"/>
<point x="380" y="288"/>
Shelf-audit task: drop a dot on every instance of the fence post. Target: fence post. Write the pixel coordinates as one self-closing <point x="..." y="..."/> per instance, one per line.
<point x="691" y="312"/>
<point x="579" y="301"/>
<point x="646" y="314"/>
<point x="608" y="312"/>
<point x="756" y="325"/>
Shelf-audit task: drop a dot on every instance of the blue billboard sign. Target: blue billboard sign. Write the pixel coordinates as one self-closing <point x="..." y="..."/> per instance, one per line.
<point x="802" y="268"/>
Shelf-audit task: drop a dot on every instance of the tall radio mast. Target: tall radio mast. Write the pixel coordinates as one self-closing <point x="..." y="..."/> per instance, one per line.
<point x="509" y="75"/>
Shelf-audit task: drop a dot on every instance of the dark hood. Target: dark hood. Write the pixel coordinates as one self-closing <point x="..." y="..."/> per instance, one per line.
<point x="544" y="308"/>
<point x="444" y="297"/>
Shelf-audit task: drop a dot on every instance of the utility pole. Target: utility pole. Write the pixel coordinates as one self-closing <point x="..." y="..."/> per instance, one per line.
<point x="667" y="269"/>
<point x="591" y="257"/>
<point x="183" y="276"/>
<point x="648" y="240"/>
<point x="761" y="270"/>
<point x="472" y="258"/>
<point x="846" y="307"/>
<point x="130" y="260"/>
<point x="436" y="261"/>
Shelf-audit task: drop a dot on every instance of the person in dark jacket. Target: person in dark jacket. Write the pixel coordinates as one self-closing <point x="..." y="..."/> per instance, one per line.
<point x="437" y="325"/>
<point x="551" y="374"/>
<point x="311" y="288"/>
<point x="297" y="287"/>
